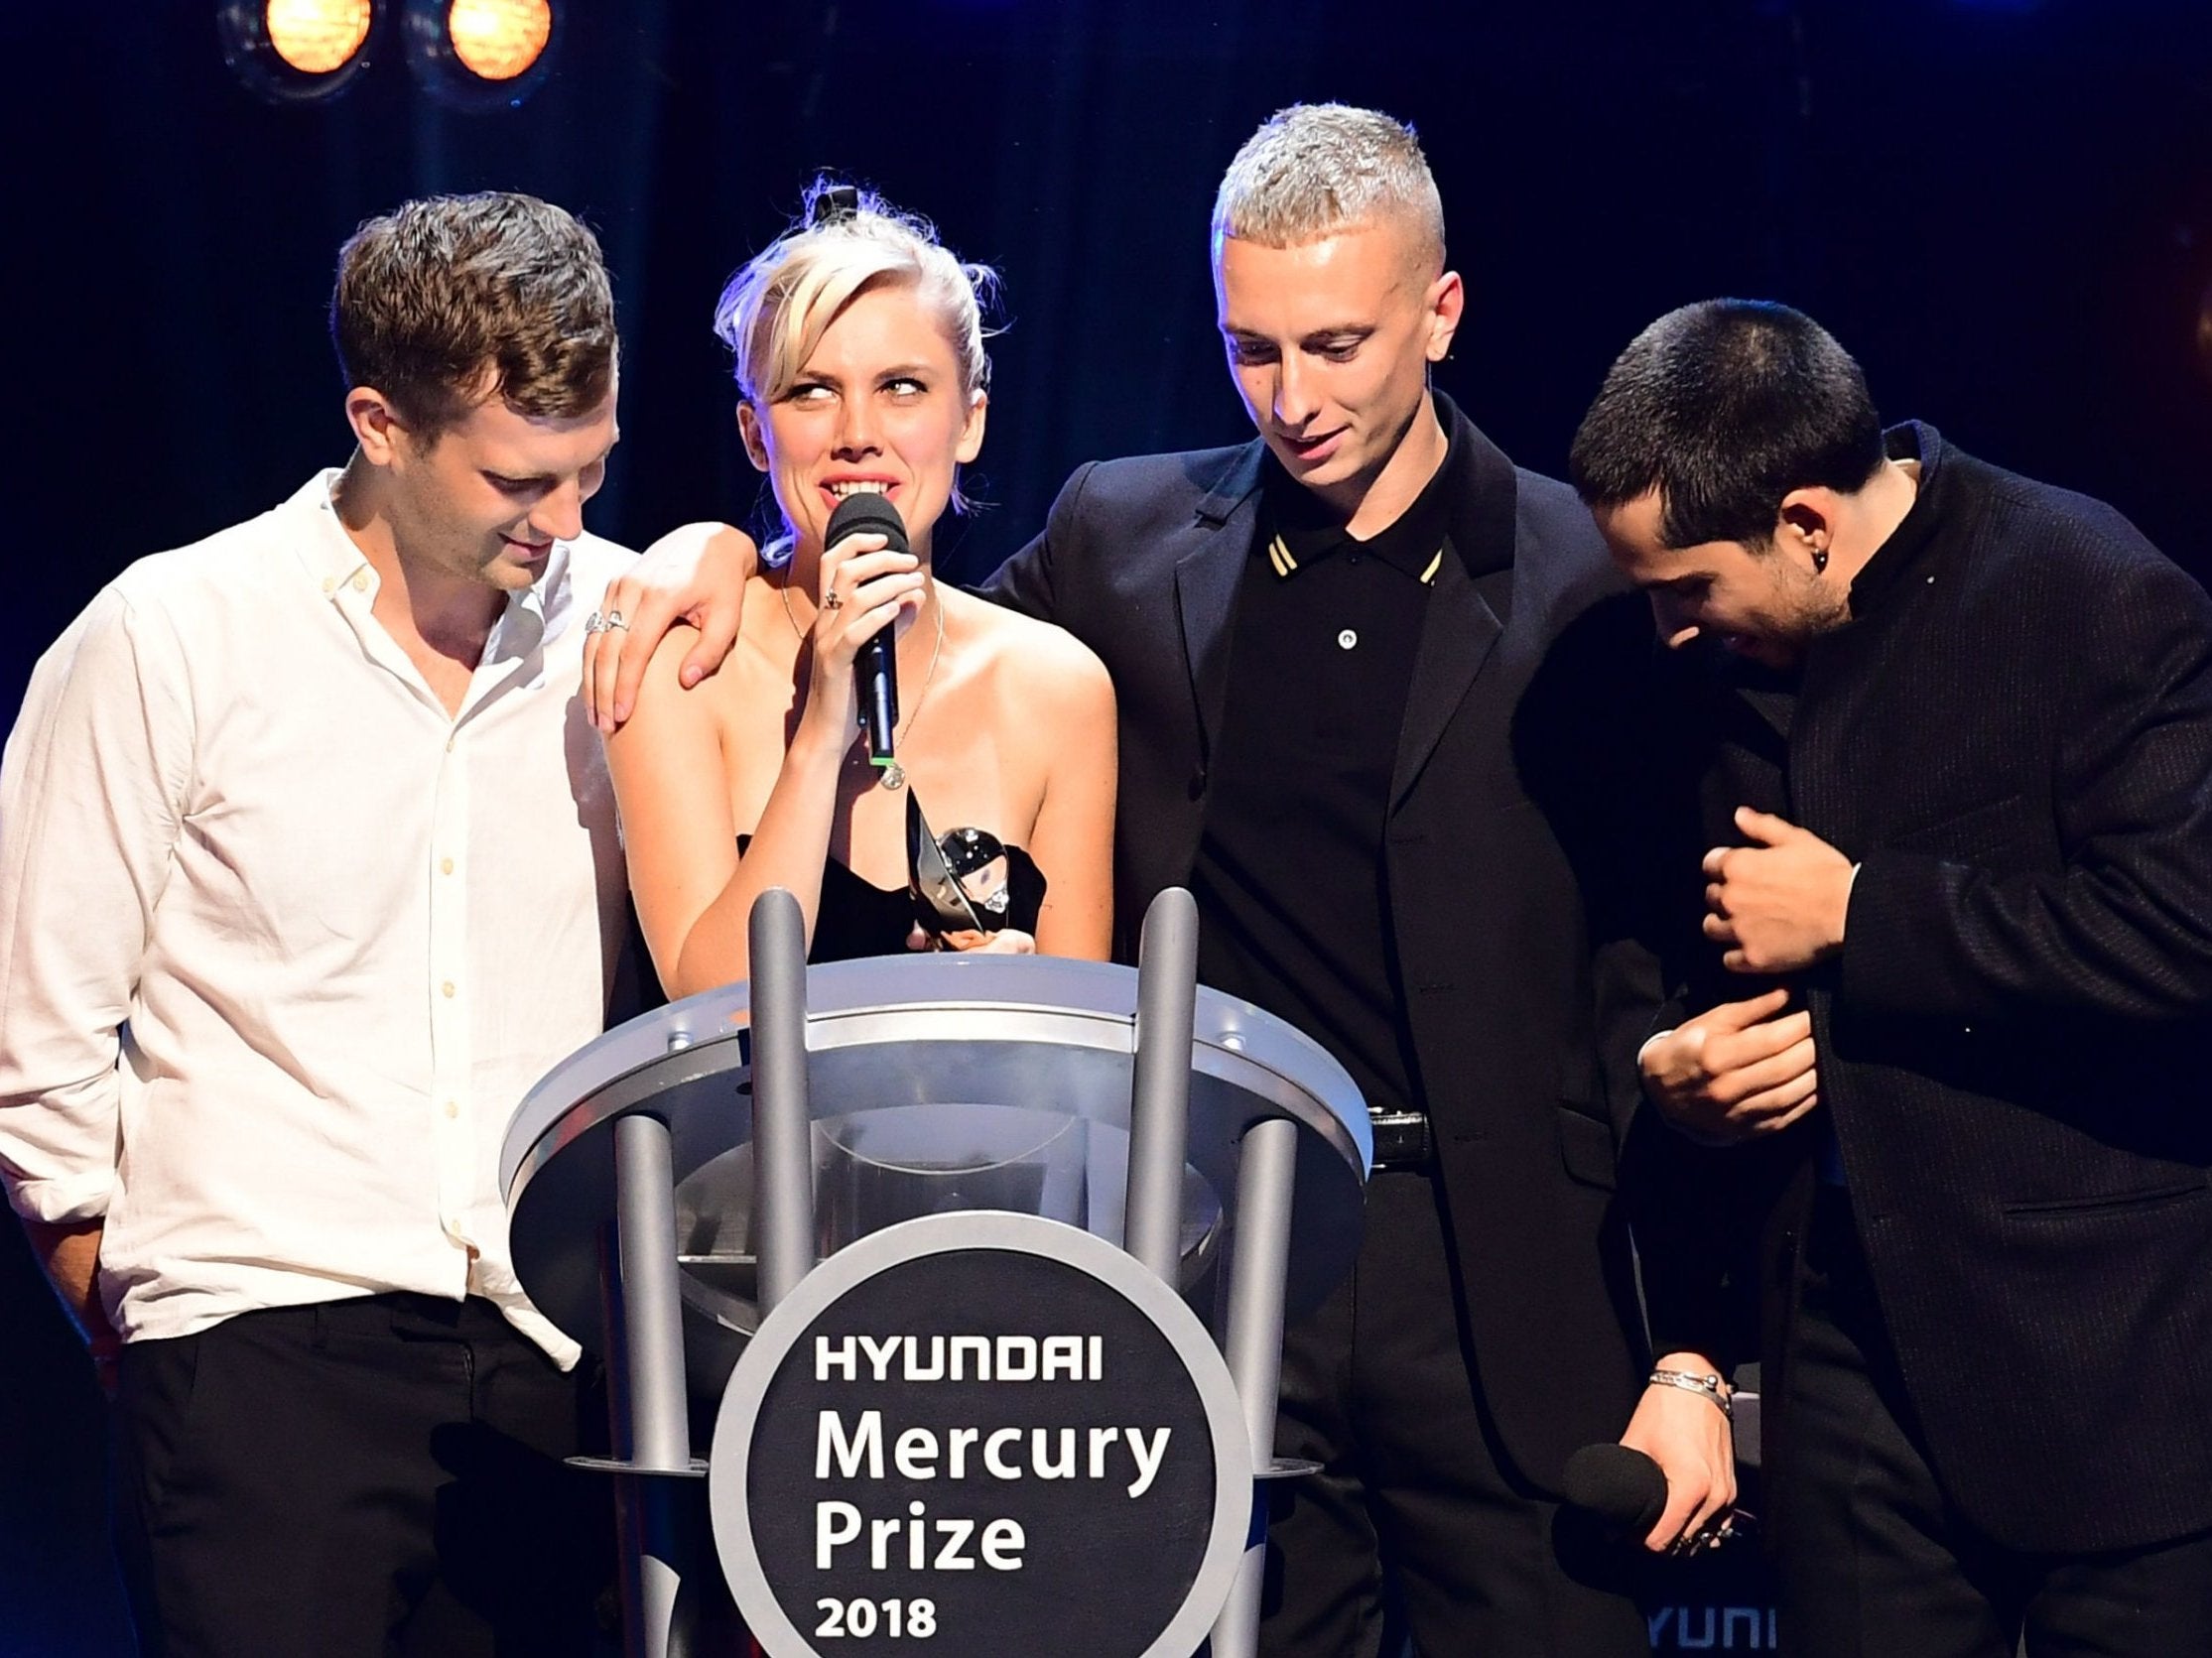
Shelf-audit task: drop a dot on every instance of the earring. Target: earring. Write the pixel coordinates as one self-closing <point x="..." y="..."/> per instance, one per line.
<point x="1820" y="560"/>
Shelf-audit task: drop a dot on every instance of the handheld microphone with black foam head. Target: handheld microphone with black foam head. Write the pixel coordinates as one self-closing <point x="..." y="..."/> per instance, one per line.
<point x="1619" y="1486"/>
<point x="876" y="669"/>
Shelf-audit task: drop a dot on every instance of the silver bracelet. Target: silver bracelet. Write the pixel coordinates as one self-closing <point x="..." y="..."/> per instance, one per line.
<point x="1713" y="1387"/>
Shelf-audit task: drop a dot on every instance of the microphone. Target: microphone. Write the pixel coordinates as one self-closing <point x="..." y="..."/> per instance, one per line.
<point x="876" y="669"/>
<point x="1620" y="1487"/>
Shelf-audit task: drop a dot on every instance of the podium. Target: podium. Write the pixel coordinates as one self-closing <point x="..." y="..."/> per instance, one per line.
<point x="701" y="1187"/>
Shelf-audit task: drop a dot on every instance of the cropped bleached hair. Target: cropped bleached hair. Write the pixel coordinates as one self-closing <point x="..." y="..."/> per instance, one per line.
<point x="775" y="311"/>
<point x="1316" y="169"/>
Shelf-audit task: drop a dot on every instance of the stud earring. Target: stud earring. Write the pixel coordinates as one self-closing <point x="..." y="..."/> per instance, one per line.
<point x="1820" y="560"/>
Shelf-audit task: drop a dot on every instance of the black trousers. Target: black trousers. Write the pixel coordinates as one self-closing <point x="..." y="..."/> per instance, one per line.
<point x="1414" y="1525"/>
<point x="358" y="1478"/>
<point x="1874" y="1560"/>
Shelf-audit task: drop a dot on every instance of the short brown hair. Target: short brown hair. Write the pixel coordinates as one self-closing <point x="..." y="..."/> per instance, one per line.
<point x="444" y="302"/>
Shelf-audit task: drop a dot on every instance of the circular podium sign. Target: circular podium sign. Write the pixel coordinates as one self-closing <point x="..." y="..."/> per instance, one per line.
<point x="981" y="1434"/>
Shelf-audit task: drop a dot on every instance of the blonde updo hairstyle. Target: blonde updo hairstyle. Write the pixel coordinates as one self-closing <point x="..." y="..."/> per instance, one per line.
<point x="776" y="309"/>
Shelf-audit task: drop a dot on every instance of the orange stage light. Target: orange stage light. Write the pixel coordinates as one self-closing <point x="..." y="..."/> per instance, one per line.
<point x="317" y="36"/>
<point x="498" y="39"/>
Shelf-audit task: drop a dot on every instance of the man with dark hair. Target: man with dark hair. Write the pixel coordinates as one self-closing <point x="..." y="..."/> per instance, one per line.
<point x="1952" y="730"/>
<point x="1773" y="403"/>
<point x="309" y="871"/>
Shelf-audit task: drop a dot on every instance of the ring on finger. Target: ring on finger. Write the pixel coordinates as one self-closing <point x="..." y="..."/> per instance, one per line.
<point x="615" y="620"/>
<point x="833" y="601"/>
<point x="595" y="623"/>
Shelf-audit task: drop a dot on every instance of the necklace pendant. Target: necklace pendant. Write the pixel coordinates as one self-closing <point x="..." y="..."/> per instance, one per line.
<point x="894" y="776"/>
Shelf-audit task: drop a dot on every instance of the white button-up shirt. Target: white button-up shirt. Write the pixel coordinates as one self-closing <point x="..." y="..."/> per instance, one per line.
<point x="282" y="941"/>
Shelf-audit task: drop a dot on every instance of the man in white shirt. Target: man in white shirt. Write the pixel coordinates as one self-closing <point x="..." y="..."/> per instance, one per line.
<point x="308" y="873"/>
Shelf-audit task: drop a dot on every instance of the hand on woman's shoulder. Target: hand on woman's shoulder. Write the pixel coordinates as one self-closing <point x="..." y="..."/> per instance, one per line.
<point x="687" y="548"/>
<point x="696" y="572"/>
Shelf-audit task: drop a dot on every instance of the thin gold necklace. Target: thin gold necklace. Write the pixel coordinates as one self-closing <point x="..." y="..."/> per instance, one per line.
<point x="894" y="774"/>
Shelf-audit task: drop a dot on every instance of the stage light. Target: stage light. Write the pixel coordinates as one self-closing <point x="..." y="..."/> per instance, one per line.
<point x="317" y="36"/>
<point x="480" y="54"/>
<point x="498" y="39"/>
<point x="296" y="51"/>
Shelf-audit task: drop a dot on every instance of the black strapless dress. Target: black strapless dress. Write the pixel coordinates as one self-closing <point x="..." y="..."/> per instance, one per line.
<point x="855" y="918"/>
<point x="859" y="918"/>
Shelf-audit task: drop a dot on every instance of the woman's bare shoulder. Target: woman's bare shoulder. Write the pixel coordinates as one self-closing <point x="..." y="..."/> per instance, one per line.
<point x="1029" y="655"/>
<point x="691" y="538"/>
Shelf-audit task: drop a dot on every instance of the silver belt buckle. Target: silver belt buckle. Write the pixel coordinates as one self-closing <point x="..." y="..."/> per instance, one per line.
<point x="1401" y="1139"/>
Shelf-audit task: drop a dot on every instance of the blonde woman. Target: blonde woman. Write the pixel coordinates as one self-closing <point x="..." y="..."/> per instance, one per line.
<point x="861" y="367"/>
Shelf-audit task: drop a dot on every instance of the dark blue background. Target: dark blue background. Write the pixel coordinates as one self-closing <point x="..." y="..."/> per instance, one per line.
<point x="2004" y="208"/>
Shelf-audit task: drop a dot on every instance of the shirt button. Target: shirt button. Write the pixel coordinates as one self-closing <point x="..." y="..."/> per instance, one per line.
<point x="445" y="866"/>
<point x="1347" y="639"/>
<point x="447" y="988"/>
<point x="329" y="583"/>
<point x="360" y="581"/>
<point x="449" y="741"/>
<point x="452" y="1108"/>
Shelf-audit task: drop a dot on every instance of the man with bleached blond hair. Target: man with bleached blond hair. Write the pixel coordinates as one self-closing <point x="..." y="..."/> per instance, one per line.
<point x="1371" y="795"/>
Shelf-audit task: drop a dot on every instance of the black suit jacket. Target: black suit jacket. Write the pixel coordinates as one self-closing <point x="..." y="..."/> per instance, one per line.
<point x="1496" y="804"/>
<point x="2015" y="742"/>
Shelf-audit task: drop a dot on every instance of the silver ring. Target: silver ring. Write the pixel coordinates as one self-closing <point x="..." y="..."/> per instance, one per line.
<point x="832" y="599"/>
<point x="614" y="619"/>
<point x="595" y="623"/>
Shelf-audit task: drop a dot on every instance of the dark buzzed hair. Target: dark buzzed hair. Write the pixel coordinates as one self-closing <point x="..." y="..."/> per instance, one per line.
<point x="450" y="300"/>
<point x="1724" y="407"/>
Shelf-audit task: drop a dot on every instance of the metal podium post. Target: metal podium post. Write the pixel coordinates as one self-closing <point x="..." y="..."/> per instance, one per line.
<point x="782" y="1122"/>
<point x="1259" y="1264"/>
<point x="645" y="1352"/>
<point x="1160" y="1083"/>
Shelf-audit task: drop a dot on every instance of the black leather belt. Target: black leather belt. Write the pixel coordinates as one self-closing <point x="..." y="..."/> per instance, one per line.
<point x="1401" y="1139"/>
